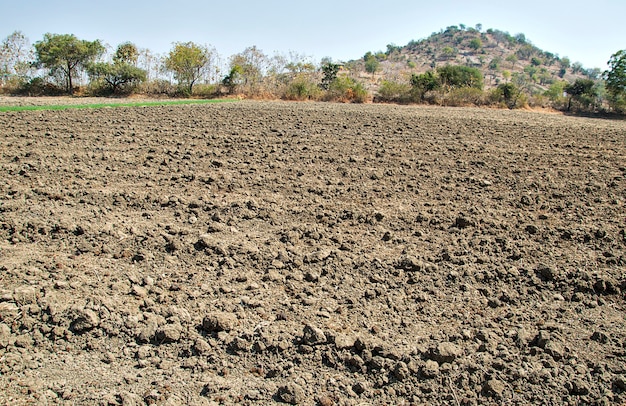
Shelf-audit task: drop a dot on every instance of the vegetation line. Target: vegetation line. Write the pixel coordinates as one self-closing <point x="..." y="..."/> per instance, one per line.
<point x="104" y="105"/>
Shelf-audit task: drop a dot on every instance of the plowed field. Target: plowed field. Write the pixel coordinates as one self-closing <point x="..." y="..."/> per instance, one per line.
<point x="305" y="253"/>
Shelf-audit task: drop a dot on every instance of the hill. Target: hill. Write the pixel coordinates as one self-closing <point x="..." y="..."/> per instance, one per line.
<point x="497" y="54"/>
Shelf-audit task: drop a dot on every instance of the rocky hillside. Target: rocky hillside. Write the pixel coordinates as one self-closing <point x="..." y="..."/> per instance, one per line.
<point x="496" y="53"/>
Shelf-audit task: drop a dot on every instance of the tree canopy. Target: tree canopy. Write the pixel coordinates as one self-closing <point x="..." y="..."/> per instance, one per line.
<point x="15" y="55"/>
<point x="582" y="90"/>
<point x="122" y="72"/>
<point x="66" y="54"/>
<point x="615" y="78"/>
<point x="189" y="62"/>
<point x="456" y="76"/>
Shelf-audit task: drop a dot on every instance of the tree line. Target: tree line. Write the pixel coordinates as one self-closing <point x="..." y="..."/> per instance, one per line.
<point x="65" y="64"/>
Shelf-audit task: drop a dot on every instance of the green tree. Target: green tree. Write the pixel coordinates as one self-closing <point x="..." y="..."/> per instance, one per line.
<point x="423" y="83"/>
<point x="448" y="52"/>
<point x="234" y="78"/>
<point x="67" y="55"/>
<point x="457" y="76"/>
<point x="329" y="71"/>
<point x="555" y="92"/>
<point x="495" y="63"/>
<point x="122" y="73"/>
<point x="509" y="93"/>
<point x="189" y="62"/>
<point x="582" y="90"/>
<point x="250" y="65"/>
<point x="126" y="52"/>
<point x="371" y="63"/>
<point x="512" y="58"/>
<point x="615" y="78"/>
<point x="475" y="44"/>
<point x="117" y="75"/>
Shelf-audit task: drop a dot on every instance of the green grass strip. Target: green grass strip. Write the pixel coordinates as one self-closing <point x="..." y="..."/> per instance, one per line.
<point x="105" y="105"/>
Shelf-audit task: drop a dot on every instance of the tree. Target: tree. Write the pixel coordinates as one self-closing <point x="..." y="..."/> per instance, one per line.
<point x="448" y="52"/>
<point x="66" y="54"/>
<point x="250" y="66"/>
<point x="582" y="90"/>
<point x="329" y="70"/>
<point x="615" y="78"/>
<point x="423" y="83"/>
<point x="513" y="59"/>
<point x="475" y="44"/>
<point x="126" y="53"/>
<point x="233" y="79"/>
<point x="15" y="57"/>
<point x="509" y="93"/>
<point x="123" y="72"/>
<point x="189" y="62"/>
<point x="371" y="63"/>
<point x="457" y="76"/>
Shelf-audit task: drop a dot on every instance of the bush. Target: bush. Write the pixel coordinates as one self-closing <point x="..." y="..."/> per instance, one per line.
<point x="394" y="92"/>
<point x="39" y="87"/>
<point x="158" y="87"/>
<point x="464" y="96"/>
<point x="345" y="89"/>
<point x="302" y="88"/>
<point x="206" y="91"/>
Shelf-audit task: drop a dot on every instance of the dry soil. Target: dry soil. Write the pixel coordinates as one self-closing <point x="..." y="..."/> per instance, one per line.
<point x="305" y="253"/>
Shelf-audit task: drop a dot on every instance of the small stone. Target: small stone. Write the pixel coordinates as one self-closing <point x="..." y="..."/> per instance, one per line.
<point x="146" y="333"/>
<point x="169" y="333"/>
<point x="430" y="369"/>
<point x="291" y="393"/>
<point x="531" y="229"/>
<point x="555" y="349"/>
<point x="313" y="335"/>
<point x="462" y="222"/>
<point x="446" y="352"/>
<point x="494" y="387"/>
<point x="5" y="335"/>
<point x="139" y="291"/>
<point x="542" y="338"/>
<point x="24" y="341"/>
<point x="344" y="341"/>
<point x="360" y="387"/>
<point x="401" y="371"/>
<point x="219" y="321"/>
<point x="545" y="272"/>
<point x="325" y="400"/>
<point x="85" y="319"/>
<point x="600" y="337"/>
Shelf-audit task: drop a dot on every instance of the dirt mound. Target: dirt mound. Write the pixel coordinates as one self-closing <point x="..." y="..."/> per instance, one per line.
<point x="311" y="254"/>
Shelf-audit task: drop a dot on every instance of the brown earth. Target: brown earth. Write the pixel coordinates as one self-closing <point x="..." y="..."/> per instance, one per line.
<point x="262" y="252"/>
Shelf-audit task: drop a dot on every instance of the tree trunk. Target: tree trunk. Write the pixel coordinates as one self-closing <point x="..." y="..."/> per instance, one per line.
<point x="69" y="80"/>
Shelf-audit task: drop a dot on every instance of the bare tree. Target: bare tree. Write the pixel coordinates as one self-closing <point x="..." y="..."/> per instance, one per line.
<point x="16" y="56"/>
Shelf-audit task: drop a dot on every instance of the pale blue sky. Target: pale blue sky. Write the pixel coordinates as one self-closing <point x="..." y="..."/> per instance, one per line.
<point x="585" y="31"/>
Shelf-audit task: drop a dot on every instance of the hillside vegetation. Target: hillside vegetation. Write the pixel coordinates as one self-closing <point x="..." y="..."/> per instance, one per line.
<point x="456" y="66"/>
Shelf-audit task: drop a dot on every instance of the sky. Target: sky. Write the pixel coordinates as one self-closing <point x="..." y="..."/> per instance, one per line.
<point x="586" y="31"/>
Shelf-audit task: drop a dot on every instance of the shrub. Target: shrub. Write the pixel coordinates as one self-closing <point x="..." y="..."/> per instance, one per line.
<point x="206" y="91"/>
<point x="158" y="87"/>
<point x="39" y="87"/>
<point x="302" y="88"/>
<point x="390" y="91"/>
<point x="464" y="96"/>
<point x="346" y="89"/>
